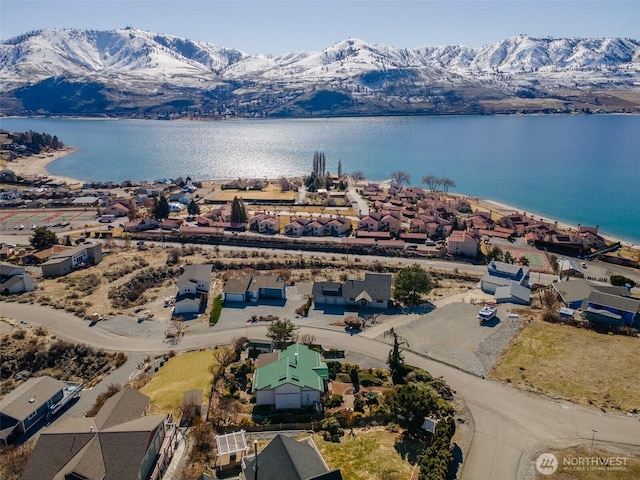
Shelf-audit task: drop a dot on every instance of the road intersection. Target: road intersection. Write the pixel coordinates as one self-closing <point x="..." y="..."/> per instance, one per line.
<point x="508" y="423"/>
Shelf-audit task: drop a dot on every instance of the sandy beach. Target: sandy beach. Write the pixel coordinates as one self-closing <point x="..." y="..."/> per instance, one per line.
<point x="36" y="165"/>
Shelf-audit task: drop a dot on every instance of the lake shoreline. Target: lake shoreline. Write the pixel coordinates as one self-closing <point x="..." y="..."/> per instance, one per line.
<point x="36" y="166"/>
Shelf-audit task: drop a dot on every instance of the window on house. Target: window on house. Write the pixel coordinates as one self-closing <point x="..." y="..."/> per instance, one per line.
<point x="31" y="415"/>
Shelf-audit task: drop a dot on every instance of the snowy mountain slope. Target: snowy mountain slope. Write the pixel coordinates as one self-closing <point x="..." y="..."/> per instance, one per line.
<point x="351" y="77"/>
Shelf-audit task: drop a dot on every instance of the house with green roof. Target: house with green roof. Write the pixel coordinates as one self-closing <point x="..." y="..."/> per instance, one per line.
<point x="296" y="379"/>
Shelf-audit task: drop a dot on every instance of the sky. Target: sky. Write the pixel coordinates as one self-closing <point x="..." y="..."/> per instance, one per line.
<point x="276" y="27"/>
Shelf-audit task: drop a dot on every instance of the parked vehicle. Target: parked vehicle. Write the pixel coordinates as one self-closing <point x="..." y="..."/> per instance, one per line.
<point x="486" y="313"/>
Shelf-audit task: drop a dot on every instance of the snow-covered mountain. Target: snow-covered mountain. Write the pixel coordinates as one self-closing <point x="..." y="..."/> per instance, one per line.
<point x="137" y="73"/>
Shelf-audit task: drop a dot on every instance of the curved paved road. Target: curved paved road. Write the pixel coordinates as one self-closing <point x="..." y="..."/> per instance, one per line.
<point x="507" y="421"/>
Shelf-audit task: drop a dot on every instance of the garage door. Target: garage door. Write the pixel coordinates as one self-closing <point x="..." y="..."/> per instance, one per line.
<point x="287" y="400"/>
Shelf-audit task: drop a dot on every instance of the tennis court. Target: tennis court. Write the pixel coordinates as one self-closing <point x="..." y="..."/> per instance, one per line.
<point x="537" y="260"/>
<point x="44" y="217"/>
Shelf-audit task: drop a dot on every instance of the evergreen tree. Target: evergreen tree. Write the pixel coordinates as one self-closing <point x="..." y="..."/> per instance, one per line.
<point x="281" y="332"/>
<point x="43" y="238"/>
<point x="409" y="283"/>
<point x="238" y="212"/>
<point x="395" y="360"/>
<point x="161" y="209"/>
<point x="339" y="169"/>
<point x="193" y="208"/>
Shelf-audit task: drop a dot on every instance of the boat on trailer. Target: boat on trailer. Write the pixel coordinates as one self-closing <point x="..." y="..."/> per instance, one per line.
<point x="487" y="312"/>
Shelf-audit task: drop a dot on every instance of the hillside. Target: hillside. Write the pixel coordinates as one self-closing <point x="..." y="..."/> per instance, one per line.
<point x="136" y="73"/>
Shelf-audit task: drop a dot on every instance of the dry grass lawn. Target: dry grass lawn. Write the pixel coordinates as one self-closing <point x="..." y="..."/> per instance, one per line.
<point x="187" y="371"/>
<point x="629" y="470"/>
<point x="360" y="457"/>
<point x="574" y="364"/>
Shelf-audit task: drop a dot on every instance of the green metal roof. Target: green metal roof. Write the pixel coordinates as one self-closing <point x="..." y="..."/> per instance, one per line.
<point x="297" y="365"/>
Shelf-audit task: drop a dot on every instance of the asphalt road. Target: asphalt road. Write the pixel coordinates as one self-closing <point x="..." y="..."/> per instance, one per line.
<point x="508" y="422"/>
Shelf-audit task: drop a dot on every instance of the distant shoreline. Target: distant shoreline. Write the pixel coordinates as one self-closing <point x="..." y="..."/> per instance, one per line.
<point x="36" y="166"/>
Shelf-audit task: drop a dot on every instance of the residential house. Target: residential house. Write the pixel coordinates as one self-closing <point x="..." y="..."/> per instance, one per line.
<point x="610" y="309"/>
<point x="193" y="289"/>
<point x="591" y="239"/>
<point x="264" y="223"/>
<point x="41" y="256"/>
<point x="314" y="228"/>
<point x="462" y="243"/>
<point x="389" y="223"/>
<point x="567" y="267"/>
<point x="71" y="259"/>
<point x="290" y="459"/>
<point x="500" y="274"/>
<point x="15" y="279"/>
<point x="120" y="442"/>
<point x="36" y="399"/>
<point x="296" y="379"/>
<point x="374" y="292"/>
<point x="513" y="293"/>
<point x="574" y="292"/>
<point x="368" y="223"/>
<point x="117" y="209"/>
<point x="86" y="202"/>
<point x="252" y="288"/>
<point x="294" y="229"/>
<point x="141" y="224"/>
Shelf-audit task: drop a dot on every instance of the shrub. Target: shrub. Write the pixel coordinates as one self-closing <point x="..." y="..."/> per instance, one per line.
<point x="621" y="281"/>
<point x="103" y="397"/>
<point x="333" y="429"/>
<point x="369" y="380"/>
<point x="121" y="358"/>
<point x="333" y="401"/>
<point x="216" y="310"/>
<point x="19" y="334"/>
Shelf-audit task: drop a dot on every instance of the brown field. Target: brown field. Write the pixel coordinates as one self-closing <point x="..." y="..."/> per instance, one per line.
<point x="575" y="364"/>
<point x="170" y="382"/>
<point x="358" y="457"/>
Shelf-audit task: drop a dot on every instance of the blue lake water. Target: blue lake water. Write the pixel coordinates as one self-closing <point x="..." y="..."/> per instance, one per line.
<point x="575" y="169"/>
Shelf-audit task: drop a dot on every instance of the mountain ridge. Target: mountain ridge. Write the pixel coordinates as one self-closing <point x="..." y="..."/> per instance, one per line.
<point x="135" y="73"/>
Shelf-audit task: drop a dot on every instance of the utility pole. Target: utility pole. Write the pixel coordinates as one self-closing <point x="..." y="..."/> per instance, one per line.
<point x="255" y="466"/>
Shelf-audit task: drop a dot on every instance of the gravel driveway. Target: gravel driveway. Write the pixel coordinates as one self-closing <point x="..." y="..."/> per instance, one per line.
<point x="453" y="335"/>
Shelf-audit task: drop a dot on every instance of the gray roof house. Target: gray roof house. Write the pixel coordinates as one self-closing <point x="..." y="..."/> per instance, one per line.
<point x="34" y="400"/>
<point x="513" y="293"/>
<point x="286" y="458"/>
<point x="64" y="262"/>
<point x="501" y="274"/>
<point x="15" y="279"/>
<point x="252" y="288"/>
<point x="610" y="309"/>
<point x="574" y="292"/>
<point x="118" y="443"/>
<point x="374" y="292"/>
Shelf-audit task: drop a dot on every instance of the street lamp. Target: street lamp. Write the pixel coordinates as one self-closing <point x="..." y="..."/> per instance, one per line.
<point x="593" y="437"/>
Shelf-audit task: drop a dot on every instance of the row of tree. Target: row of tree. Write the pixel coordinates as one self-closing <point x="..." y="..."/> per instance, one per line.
<point x="36" y="142"/>
<point x="432" y="182"/>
